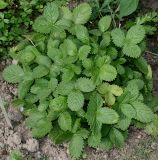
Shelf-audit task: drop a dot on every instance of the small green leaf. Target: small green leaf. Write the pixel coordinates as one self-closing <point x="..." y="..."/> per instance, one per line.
<point x="82" y="13"/>
<point x="85" y="85"/>
<point x="13" y="74"/>
<point x="75" y="100"/>
<point x="104" y="23"/>
<point x="83" y="52"/>
<point x="65" y="121"/>
<point x="116" y="90"/>
<point x="107" y="116"/>
<point x="107" y="73"/>
<point x="82" y="33"/>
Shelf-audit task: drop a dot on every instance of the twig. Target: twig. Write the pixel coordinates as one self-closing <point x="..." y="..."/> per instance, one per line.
<point x="30" y="40"/>
<point x="112" y="15"/>
<point x="154" y="54"/>
<point x="5" y="113"/>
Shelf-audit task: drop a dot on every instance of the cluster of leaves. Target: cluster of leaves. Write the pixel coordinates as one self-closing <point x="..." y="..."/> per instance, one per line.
<point x="119" y="8"/>
<point x="82" y="85"/>
<point x="16" y="19"/>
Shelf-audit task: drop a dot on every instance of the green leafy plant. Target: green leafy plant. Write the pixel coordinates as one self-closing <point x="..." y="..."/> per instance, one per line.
<point x="16" y="19"/>
<point x="15" y="155"/>
<point x="82" y="85"/>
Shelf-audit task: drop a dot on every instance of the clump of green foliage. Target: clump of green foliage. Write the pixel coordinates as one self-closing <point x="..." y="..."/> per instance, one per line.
<point x="83" y="85"/>
<point x="16" y="19"/>
<point x="15" y="155"/>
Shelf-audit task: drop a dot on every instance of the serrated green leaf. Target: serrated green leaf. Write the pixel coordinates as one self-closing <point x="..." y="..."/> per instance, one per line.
<point x="76" y="146"/>
<point x="107" y="116"/>
<point x="118" y="37"/>
<point x="46" y="127"/>
<point x="75" y="100"/>
<point x="107" y="73"/>
<point x="65" y="121"/>
<point x="132" y="50"/>
<point x="43" y="60"/>
<point x="70" y="47"/>
<point x="66" y="13"/>
<point x="116" y="90"/>
<point x="64" y="88"/>
<point x="58" y="104"/>
<point x="141" y="64"/>
<point x="95" y="102"/>
<point x="128" y="110"/>
<point x="116" y="137"/>
<point x="13" y="74"/>
<point x="104" y="23"/>
<point x="143" y="112"/>
<point x="23" y="88"/>
<point x="136" y="34"/>
<point x="40" y="71"/>
<point x="51" y="12"/>
<point x="85" y="85"/>
<point x="59" y="136"/>
<point x="82" y="33"/>
<point x="123" y="123"/>
<point x="42" y="25"/>
<point x="83" y="52"/>
<point x="82" y="13"/>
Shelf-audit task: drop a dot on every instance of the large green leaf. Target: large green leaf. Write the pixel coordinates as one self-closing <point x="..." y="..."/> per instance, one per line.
<point x="136" y="34"/>
<point x="13" y="74"/>
<point x="143" y="112"/>
<point x="128" y="110"/>
<point x="107" y="116"/>
<point x="82" y="13"/>
<point x="127" y="7"/>
<point x="75" y="100"/>
<point x="132" y="50"/>
<point x="76" y="146"/>
<point x="51" y="12"/>
<point x="42" y="25"/>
